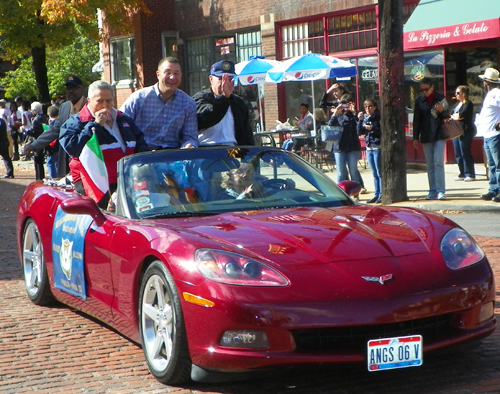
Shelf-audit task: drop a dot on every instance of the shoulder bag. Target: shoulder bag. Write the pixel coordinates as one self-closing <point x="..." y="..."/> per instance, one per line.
<point x="331" y="133"/>
<point x="450" y="129"/>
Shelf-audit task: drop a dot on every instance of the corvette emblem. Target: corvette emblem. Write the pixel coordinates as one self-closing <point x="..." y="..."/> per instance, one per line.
<point x="381" y="279"/>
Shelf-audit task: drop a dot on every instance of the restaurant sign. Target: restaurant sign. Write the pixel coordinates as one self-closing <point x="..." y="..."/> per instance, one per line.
<point x="464" y="32"/>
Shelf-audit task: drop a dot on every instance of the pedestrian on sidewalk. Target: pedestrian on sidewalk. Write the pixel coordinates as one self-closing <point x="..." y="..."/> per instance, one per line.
<point x="369" y="126"/>
<point x="464" y="113"/>
<point x="347" y="153"/>
<point x="35" y="131"/>
<point x="4" y="150"/>
<point x="429" y="113"/>
<point x="488" y="123"/>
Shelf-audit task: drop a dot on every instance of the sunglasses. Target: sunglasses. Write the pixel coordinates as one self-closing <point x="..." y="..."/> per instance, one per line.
<point x="425" y="89"/>
<point x="458" y="92"/>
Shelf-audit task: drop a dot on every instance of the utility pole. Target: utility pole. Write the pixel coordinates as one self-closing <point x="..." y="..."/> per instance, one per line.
<point x="392" y="106"/>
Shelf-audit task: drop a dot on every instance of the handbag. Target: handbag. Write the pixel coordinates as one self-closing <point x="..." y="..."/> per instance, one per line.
<point x="450" y="129"/>
<point x="331" y="133"/>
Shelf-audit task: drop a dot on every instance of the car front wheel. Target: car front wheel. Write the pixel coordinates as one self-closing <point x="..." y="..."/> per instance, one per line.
<point x="162" y="327"/>
<point x="35" y="270"/>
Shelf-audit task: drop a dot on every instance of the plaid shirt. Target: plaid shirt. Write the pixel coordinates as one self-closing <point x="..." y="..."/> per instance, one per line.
<point x="170" y="124"/>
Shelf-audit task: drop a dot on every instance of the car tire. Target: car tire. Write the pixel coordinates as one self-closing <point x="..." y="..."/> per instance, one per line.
<point x="162" y="329"/>
<point x="36" y="279"/>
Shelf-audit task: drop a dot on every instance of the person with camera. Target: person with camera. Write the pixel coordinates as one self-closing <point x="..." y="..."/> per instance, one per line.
<point x="347" y="152"/>
<point x="488" y="124"/>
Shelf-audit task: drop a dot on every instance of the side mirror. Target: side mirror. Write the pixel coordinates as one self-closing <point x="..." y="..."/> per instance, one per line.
<point x="83" y="206"/>
<point x="351" y="188"/>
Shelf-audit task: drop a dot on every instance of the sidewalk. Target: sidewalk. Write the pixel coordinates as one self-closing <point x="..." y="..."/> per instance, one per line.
<point x="460" y="195"/>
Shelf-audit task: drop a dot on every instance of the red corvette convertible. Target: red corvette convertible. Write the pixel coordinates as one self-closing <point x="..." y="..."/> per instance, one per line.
<point x="221" y="260"/>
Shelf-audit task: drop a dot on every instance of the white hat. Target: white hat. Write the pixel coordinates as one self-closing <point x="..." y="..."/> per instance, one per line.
<point x="491" y="75"/>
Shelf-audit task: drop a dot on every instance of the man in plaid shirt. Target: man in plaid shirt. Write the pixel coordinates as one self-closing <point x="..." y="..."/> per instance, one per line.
<point x="165" y="114"/>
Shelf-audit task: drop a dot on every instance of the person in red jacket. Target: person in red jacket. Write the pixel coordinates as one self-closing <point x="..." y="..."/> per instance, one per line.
<point x="117" y="134"/>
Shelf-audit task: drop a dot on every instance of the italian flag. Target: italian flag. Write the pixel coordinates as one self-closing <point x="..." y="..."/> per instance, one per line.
<point x="94" y="174"/>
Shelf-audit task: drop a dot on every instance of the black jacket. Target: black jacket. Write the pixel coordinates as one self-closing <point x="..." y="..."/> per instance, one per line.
<point x="466" y="112"/>
<point x="212" y="109"/>
<point x="349" y="141"/>
<point x="373" y="137"/>
<point x="426" y="127"/>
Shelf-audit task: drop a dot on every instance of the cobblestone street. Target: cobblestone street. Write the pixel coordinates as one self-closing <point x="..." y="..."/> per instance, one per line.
<point x="57" y="350"/>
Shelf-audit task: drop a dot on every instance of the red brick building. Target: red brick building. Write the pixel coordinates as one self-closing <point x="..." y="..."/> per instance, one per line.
<point x="201" y="32"/>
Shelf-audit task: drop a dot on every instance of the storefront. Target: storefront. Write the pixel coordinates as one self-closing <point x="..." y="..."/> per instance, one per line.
<point x="457" y="43"/>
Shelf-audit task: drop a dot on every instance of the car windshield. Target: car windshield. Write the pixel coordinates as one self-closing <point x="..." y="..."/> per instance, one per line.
<point x="205" y="181"/>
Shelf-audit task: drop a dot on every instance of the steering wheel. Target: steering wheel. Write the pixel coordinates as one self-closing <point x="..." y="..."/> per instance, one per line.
<point x="275" y="184"/>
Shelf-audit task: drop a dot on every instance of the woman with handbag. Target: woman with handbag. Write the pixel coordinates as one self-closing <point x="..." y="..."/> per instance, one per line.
<point x="429" y="113"/>
<point x="464" y="113"/>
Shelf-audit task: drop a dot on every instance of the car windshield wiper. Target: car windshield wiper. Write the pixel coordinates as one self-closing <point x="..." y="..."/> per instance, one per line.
<point x="179" y="214"/>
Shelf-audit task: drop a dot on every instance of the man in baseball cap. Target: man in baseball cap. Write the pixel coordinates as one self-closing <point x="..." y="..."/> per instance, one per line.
<point x="223" y="67"/>
<point x="73" y="80"/>
<point x="223" y="117"/>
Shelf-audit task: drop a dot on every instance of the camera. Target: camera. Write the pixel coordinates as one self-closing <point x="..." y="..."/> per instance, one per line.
<point x="344" y="106"/>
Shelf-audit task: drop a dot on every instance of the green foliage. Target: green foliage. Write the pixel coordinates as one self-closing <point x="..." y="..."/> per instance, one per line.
<point x="75" y="59"/>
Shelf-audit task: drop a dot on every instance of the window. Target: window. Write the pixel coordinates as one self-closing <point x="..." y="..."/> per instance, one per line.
<point x="248" y="44"/>
<point x="198" y="63"/>
<point x="123" y="59"/>
<point x="169" y="40"/>
<point x="351" y="32"/>
<point x="303" y="38"/>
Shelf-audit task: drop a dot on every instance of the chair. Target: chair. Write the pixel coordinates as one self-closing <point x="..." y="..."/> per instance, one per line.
<point x="323" y="156"/>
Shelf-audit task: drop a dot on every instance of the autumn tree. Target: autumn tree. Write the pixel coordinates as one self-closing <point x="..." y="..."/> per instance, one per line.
<point x="30" y="27"/>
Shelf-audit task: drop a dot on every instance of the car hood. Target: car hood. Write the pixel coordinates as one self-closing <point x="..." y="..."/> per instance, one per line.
<point x="324" y="235"/>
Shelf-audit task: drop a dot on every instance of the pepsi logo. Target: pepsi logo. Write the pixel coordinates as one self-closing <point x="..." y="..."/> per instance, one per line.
<point x="250" y="79"/>
<point x="298" y="75"/>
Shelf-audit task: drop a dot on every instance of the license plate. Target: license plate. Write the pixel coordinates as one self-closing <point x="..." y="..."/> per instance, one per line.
<point x="392" y="353"/>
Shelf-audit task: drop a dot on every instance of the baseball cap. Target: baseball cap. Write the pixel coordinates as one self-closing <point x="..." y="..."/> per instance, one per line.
<point x="223" y="67"/>
<point x="74" y="80"/>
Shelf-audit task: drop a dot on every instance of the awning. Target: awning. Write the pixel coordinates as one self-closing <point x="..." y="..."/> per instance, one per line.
<point x="442" y="22"/>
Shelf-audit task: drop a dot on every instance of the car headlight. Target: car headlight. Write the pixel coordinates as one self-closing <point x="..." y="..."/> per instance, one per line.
<point x="234" y="269"/>
<point x="460" y="250"/>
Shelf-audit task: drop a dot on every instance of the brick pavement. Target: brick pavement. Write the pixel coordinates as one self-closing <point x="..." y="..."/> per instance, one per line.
<point x="56" y="350"/>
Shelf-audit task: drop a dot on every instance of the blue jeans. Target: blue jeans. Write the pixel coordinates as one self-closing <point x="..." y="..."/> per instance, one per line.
<point x="344" y="160"/>
<point x="374" y="157"/>
<point x="434" y="157"/>
<point x="52" y="164"/>
<point x="463" y="155"/>
<point x="492" y="150"/>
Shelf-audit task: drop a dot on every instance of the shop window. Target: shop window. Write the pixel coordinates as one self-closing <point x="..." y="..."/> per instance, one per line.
<point x="123" y="59"/>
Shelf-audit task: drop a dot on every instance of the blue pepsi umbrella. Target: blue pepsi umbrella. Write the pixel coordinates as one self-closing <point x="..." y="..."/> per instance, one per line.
<point x="253" y="72"/>
<point x="311" y="67"/>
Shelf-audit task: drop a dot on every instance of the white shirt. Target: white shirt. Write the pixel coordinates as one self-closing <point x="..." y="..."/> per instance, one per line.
<point x="220" y="134"/>
<point x="489" y="115"/>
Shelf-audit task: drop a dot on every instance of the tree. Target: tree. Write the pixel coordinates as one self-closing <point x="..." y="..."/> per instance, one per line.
<point x="76" y="59"/>
<point x="391" y="76"/>
<point x="30" y="27"/>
